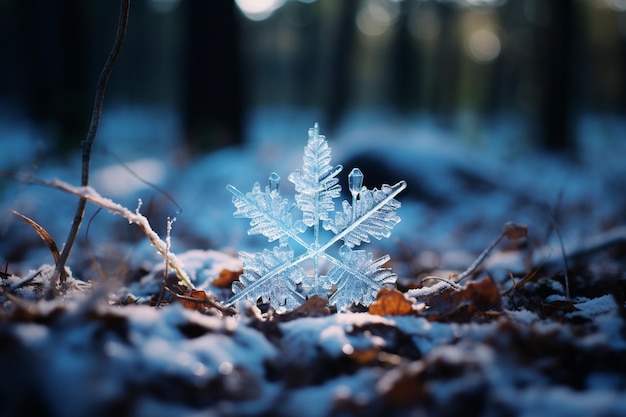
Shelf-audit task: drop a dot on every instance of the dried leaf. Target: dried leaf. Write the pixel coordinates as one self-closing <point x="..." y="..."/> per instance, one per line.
<point x="460" y="305"/>
<point x="406" y="385"/>
<point x="226" y="278"/>
<point x="390" y="302"/>
<point x="44" y="235"/>
<point x="514" y="231"/>
<point x="194" y="300"/>
<point x="315" y="306"/>
<point x="48" y="240"/>
<point x="365" y="356"/>
<point x="485" y="295"/>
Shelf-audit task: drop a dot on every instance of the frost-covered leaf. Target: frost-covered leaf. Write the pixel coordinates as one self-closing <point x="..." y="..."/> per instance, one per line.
<point x="271" y="277"/>
<point x="278" y="276"/>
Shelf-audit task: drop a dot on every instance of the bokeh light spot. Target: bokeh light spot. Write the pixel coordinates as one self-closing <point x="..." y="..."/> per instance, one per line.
<point x="484" y="45"/>
<point x="376" y="16"/>
<point x="258" y="9"/>
<point x="616" y="5"/>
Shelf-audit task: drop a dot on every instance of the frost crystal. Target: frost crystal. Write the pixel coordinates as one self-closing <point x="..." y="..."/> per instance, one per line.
<point x="284" y="279"/>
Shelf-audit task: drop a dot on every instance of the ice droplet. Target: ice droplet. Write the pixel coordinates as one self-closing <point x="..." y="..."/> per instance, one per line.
<point x="274" y="181"/>
<point x="355" y="181"/>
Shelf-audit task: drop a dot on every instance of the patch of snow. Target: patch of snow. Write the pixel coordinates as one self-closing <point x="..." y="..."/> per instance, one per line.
<point x="326" y="399"/>
<point x="595" y="306"/>
<point x="425" y="334"/>
<point x="98" y="363"/>
<point x="565" y="402"/>
<point x="523" y="316"/>
<point x="603" y="311"/>
<point x="119" y="180"/>
<point x="331" y="334"/>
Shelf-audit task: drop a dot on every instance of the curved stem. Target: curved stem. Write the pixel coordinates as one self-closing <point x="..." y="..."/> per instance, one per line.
<point x="89" y="139"/>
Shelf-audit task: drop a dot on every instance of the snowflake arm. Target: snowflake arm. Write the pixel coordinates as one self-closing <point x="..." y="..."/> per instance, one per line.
<point x="269" y="213"/>
<point x="373" y="214"/>
<point x="271" y="276"/>
<point x="357" y="278"/>
<point x="316" y="184"/>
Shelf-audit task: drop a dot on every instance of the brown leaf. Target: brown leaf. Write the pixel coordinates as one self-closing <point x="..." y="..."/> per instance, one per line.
<point x="485" y="295"/>
<point x="48" y="240"/>
<point x="43" y="234"/>
<point x="315" y="306"/>
<point x="515" y="231"/>
<point x="194" y="300"/>
<point x="402" y="386"/>
<point x="390" y="302"/>
<point x="475" y="297"/>
<point x="364" y="356"/>
<point x="226" y="278"/>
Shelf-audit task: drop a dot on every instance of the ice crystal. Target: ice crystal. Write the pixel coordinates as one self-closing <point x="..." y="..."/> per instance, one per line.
<point x="284" y="279"/>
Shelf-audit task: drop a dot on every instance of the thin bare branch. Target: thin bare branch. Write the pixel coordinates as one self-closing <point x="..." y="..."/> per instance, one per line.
<point x="88" y="142"/>
<point x="89" y="194"/>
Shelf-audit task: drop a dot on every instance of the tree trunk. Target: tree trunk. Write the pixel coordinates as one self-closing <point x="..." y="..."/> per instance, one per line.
<point x="212" y="105"/>
<point x="556" y="113"/>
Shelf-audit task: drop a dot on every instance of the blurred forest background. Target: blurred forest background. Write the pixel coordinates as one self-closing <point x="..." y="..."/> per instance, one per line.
<point x="460" y="63"/>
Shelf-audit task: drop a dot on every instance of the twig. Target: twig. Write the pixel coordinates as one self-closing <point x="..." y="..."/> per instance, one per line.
<point x="89" y="194"/>
<point x="528" y="277"/>
<point x="510" y="230"/>
<point x="25" y="281"/>
<point x="139" y="178"/>
<point x="563" y="254"/>
<point x="88" y="142"/>
<point x="449" y="282"/>
<point x="166" y="269"/>
<point x="207" y="301"/>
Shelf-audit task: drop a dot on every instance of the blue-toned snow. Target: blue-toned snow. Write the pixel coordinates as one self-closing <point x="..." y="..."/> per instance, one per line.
<point x="471" y="188"/>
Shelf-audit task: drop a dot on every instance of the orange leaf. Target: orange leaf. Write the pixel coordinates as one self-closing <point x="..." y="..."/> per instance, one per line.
<point x="365" y="356"/>
<point x="390" y="302"/>
<point x="190" y="299"/>
<point x="226" y="278"/>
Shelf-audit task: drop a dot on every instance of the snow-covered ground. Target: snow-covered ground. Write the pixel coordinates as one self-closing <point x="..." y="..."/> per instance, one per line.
<point x="83" y="356"/>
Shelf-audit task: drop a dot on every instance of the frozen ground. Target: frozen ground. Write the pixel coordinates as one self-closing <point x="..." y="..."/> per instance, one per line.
<point x="531" y="351"/>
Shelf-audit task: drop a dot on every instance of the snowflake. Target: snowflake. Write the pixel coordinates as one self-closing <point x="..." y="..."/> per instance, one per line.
<point x="284" y="278"/>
